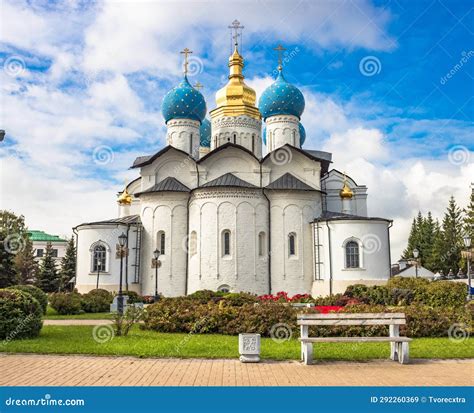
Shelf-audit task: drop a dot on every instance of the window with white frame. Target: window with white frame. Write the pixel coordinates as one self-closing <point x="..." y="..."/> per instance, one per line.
<point x="352" y="254"/>
<point x="99" y="258"/>
<point x="226" y="243"/>
<point x="291" y="244"/>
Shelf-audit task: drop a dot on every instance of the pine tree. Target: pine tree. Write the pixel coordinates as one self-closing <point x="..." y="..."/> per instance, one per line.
<point x="13" y="237"/>
<point x="68" y="265"/>
<point x="427" y="240"/>
<point x="26" y="265"/>
<point x="469" y="217"/>
<point x="413" y="240"/>
<point x="48" y="279"/>
<point x="449" y="244"/>
<point x="434" y="262"/>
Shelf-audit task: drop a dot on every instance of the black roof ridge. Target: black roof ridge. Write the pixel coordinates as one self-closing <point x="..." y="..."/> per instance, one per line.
<point x="297" y="184"/>
<point x="228" y="179"/>
<point x="168" y="184"/>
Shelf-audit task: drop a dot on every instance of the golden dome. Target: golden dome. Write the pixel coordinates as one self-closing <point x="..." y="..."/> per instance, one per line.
<point x="346" y="192"/>
<point x="125" y="198"/>
<point x="236" y="98"/>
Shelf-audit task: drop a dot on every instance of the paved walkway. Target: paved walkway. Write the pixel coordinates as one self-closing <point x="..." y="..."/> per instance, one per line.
<point x="76" y="322"/>
<point x="43" y="370"/>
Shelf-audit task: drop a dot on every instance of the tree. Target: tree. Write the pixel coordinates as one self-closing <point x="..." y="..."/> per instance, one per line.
<point x="469" y="217"/>
<point x="48" y="279"/>
<point x="413" y="239"/>
<point x="427" y="240"/>
<point x="25" y="264"/>
<point x="449" y="243"/>
<point x="68" y="265"/>
<point x="13" y="235"/>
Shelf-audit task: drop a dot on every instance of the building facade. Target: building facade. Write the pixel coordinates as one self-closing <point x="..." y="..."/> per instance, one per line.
<point x="224" y="215"/>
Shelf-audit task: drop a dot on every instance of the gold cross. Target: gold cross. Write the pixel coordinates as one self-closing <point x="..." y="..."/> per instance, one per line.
<point x="198" y="86"/>
<point x="235" y="26"/>
<point x="186" y="52"/>
<point x="280" y="49"/>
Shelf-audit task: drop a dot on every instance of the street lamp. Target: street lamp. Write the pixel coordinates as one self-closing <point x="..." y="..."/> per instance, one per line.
<point x="156" y="255"/>
<point x="122" y="242"/>
<point x="415" y="254"/>
<point x="467" y="244"/>
<point x="98" y="269"/>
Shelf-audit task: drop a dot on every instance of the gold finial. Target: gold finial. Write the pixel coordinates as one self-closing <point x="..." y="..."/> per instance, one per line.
<point x="125" y="198"/>
<point x="346" y="192"/>
<point x="186" y="52"/>
<point x="280" y="49"/>
<point x="236" y="98"/>
<point x="198" y="86"/>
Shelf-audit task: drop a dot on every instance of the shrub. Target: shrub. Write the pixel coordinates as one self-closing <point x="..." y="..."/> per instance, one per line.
<point x="401" y="296"/>
<point x="376" y="294"/>
<point x="204" y="296"/>
<point x="97" y="301"/>
<point x="20" y="315"/>
<point x="239" y="299"/>
<point x="36" y="292"/>
<point x="445" y="294"/>
<point x="66" y="303"/>
<point x="134" y="297"/>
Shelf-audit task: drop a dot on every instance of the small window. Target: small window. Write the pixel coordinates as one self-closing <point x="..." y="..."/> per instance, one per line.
<point x="54" y="253"/>
<point x="292" y="244"/>
<point x="39" y="252"/>
<point x="161" y="240"/>
<point x="253" y="142"/>
<point x="224" y="289"/>
<point x="191" y="143"/>
<point x="235" y="137"/>
<point x="193" y="243"/>
<point x="226" y="242"/>
<point x="352" y="254"/>
<point x="261" y="244"/>
<point x="99" y="258"/>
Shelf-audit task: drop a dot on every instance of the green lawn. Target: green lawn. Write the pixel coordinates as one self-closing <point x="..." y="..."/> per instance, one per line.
<point x="139" y="343"/>
<point x="52" y="314"/>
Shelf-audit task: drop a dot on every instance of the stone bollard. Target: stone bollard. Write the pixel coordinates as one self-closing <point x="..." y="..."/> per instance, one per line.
<point x="249" y="348"/>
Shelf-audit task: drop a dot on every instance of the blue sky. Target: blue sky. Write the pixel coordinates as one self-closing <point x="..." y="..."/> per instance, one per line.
<point x="82" y="84"/>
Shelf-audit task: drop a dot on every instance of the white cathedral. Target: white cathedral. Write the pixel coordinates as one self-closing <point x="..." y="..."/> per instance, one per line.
<point x="224" y="216"/>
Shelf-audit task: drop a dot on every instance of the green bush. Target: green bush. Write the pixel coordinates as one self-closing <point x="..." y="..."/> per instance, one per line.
<point x="445" y="294"/>
<point x="134" y="297"/>
<point x="204" y="296"/>
<point x="20" y="315"/>
<point x="97" y="301"/>
<point x="36" y="292"/>
<point x="239" y="299"/>
<point x="66" y="303"/>
<point x="376" y="294"/>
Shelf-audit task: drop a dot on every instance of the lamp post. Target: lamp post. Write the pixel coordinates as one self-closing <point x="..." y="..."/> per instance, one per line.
<point x="122" y="241"/>
<point x="156" y="255"/>
<point x="415" y="254"/>
<point x="467" y="244"/>
<point x="98" y="271"/>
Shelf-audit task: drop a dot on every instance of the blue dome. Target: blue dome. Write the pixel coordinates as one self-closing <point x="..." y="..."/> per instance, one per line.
<point x="205" y="131"/>
<point x="302" y="133"/>
<point x="281" y="98"/>
<point x="184" y="102"/>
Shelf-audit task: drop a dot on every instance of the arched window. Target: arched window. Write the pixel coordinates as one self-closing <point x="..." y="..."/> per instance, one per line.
<point x="235" y="137"/>
<point x="193" y="243"/>
<point x="224" y="288"/>
<point x="292" y="244"/>
<point x="352" y="254"/>
<point x="99" y="258"/>
<point x="161" y="242"/>
<point x="191" y="143"/>
<point x="225" y="242"/>
<point x="261" y="244"/>
<point x="215" y="141"/>
<point x="253" y="142"/>
<point x="294" y="138"/>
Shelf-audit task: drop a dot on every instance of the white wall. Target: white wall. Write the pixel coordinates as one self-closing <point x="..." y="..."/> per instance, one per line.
<point x="282" y="130"/>
<point x="372" y="237"/>
<point x="292" y="212"/>
<point x="110" y="278"/>
<point x="164" y="211"/>
<point x="245" y="213"/>
<point x="184" y="134"/>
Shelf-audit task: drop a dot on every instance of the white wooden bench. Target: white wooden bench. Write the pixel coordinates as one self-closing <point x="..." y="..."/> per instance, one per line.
<point x="399" y="346"/>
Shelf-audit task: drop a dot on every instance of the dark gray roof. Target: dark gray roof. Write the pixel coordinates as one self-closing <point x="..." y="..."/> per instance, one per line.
<point x="168" y="184"/>
<point x="288" y="181"/>
<point x="335" y="216"/>
<point x="228" y="180"/>
<point x="128" y="220"/>
<point x="327" y="156"/>
<point x="145" y="160"/>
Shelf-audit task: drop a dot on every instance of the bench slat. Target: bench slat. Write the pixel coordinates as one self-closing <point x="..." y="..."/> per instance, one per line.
<point x="351" y="322"/>
<point x="351" y="316"/>
<point x="354" y="339"/>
